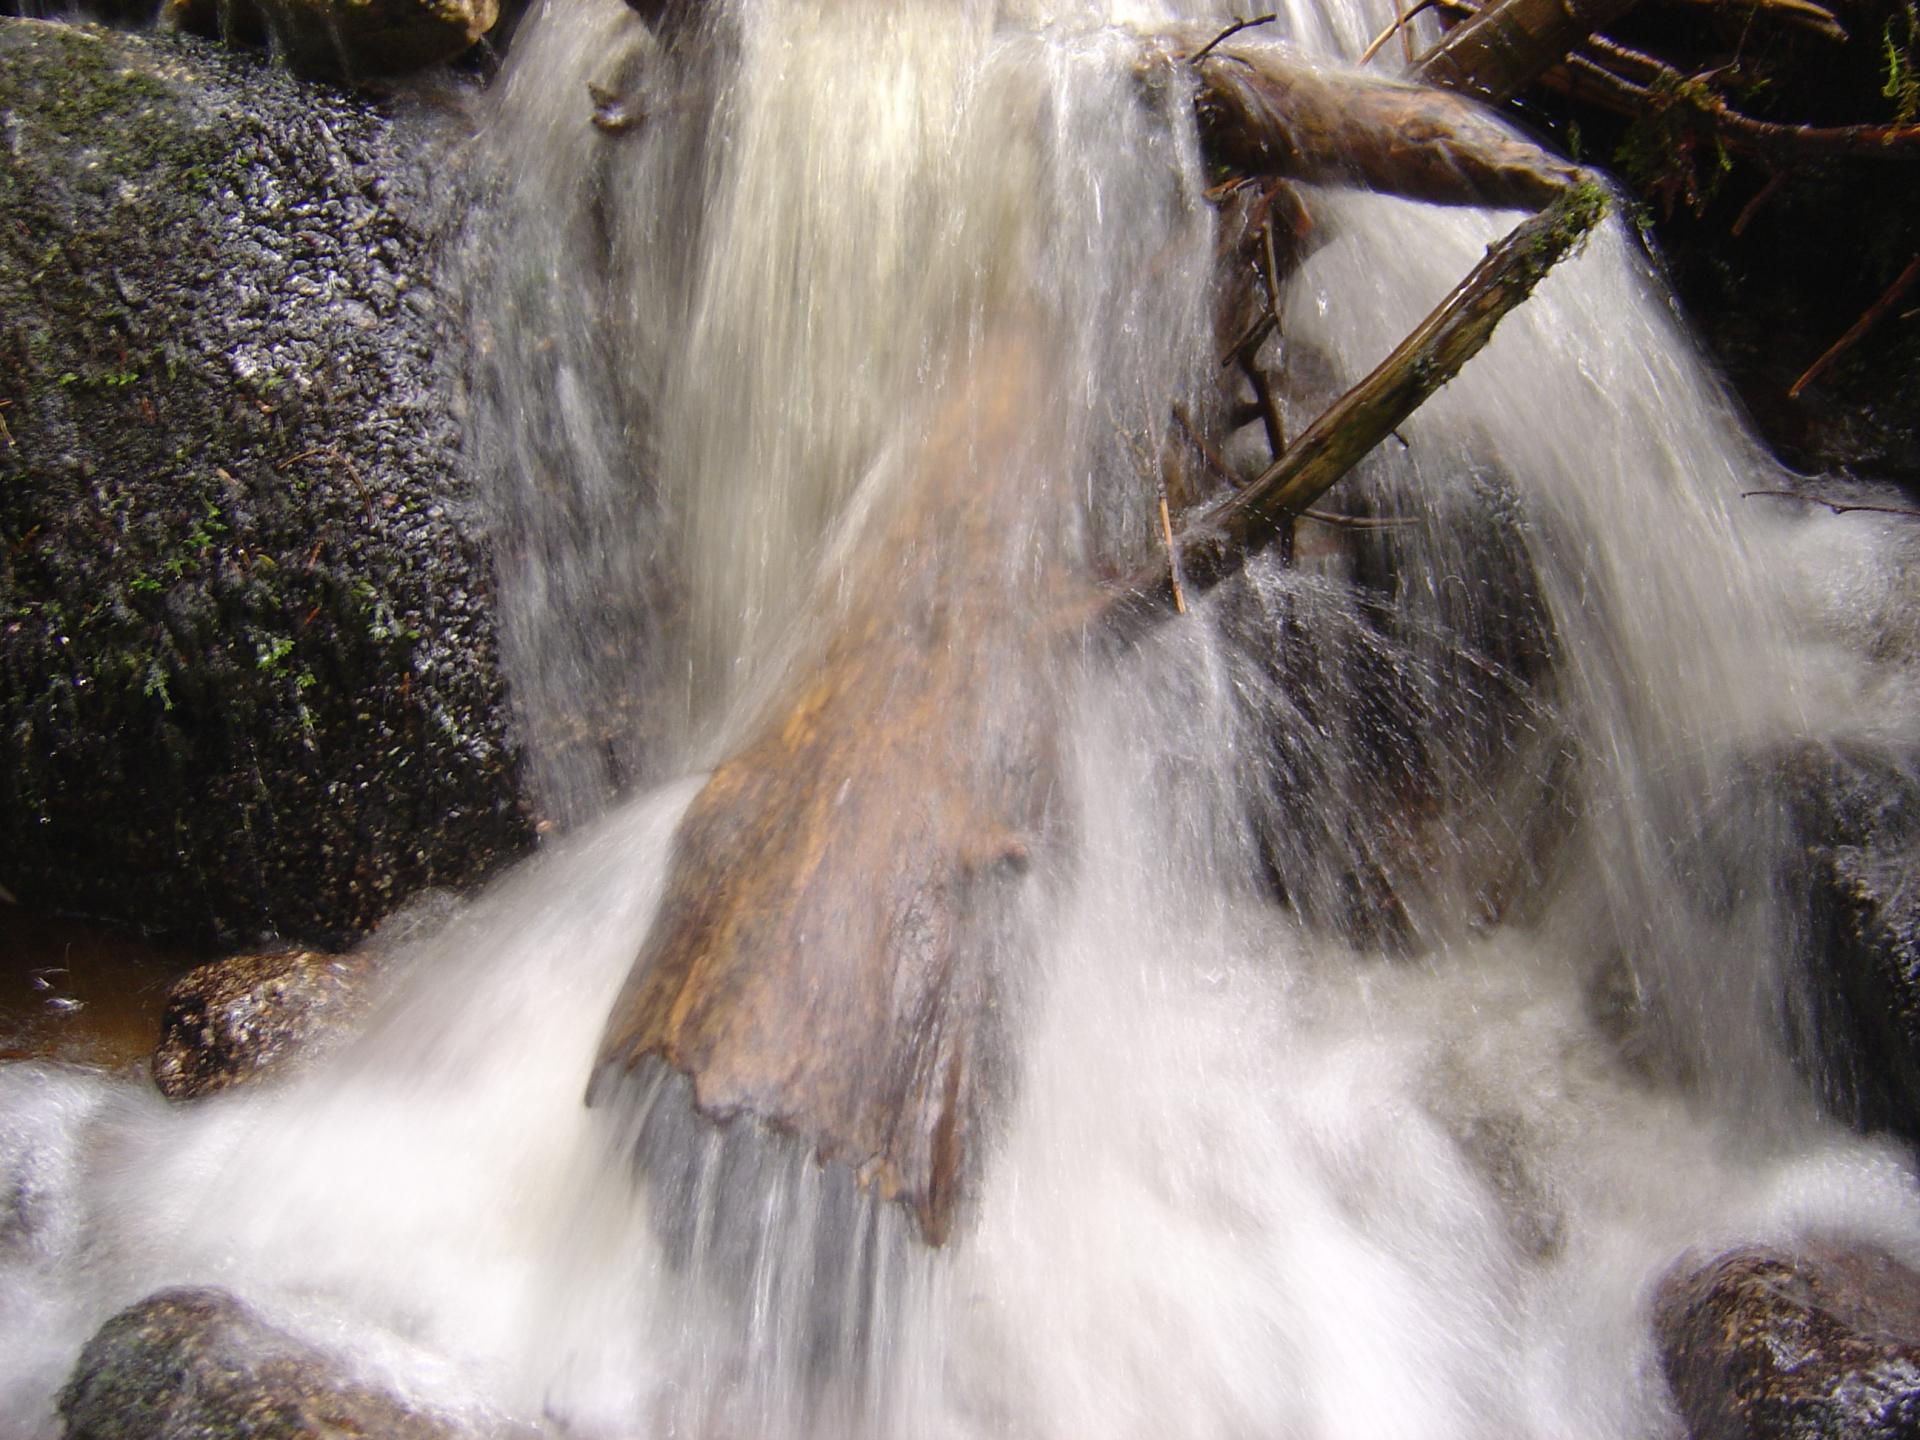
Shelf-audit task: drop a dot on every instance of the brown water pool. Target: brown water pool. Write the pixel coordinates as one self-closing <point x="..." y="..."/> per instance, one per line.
<point x="75" y="992"/>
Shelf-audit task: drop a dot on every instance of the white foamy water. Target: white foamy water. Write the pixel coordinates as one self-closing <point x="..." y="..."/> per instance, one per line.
<point x="1402" y="1156"/>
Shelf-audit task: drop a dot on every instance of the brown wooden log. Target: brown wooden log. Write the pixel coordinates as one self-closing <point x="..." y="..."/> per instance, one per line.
<point x="1265" y="110"/>
<point x="1511" y="43"/>
<point x="836" y="934"/>
<point x="1219" y="542"/>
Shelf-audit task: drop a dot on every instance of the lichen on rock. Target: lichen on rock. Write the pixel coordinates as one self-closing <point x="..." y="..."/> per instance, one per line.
<point x="199" y="1363"/>
<point x="248" y="681"/>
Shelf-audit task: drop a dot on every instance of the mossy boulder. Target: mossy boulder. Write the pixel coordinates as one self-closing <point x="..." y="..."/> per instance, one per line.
<point x="198" y="1363"/>
<point x="248" y="678"/>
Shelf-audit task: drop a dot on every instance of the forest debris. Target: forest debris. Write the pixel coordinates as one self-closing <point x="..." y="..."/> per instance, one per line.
<point x="1232" y="30"/>
<point x="1218" y="542"/>
<point x="1902" y="283"/>
<point x="1265" y="111"/>
<point x="1588" y="78"/>
<point x="1509" y="44"/>
<point x="1837" y="507"/>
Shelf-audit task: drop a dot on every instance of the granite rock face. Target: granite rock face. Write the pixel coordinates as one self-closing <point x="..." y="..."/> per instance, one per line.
<point x="248" y="675"/>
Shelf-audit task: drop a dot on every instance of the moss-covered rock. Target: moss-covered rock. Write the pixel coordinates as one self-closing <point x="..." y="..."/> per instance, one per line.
<point x="199" y="1364"/>
<point x="247" y="657"/>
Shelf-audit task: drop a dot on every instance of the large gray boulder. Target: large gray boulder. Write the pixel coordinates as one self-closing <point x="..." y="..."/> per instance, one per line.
<point x="247" y="657"/>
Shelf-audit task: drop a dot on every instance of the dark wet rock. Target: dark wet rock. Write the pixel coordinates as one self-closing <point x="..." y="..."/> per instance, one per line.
<point x="197" y="1364"/>
<point x="352" y="39"/>
<point x="1867" y="918"/>
<point x="248" y="682"/>
<point x="1856" y="813"/>
<point x="248" y="1016"/>
<point x="1389" y="813"/>
<point x="1762" y="1345"/>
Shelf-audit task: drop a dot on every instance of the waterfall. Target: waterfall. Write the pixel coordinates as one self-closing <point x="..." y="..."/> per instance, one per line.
<point x="1411" y="986"/>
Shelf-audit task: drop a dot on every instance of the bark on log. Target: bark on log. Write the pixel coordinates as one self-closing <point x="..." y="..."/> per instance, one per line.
<point x="836" y="933"/>
<point x="1512" y="43"/>
<point x="1264" y="110"/>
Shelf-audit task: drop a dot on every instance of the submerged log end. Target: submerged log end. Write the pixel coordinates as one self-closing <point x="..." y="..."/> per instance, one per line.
<point x="826" y="964"/>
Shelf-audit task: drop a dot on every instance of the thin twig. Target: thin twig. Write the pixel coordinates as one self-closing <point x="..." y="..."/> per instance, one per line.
<point x="1358" y="522"/>
<point x="1803" y="13"/>
<point x="1251" y="339"/>
<point x="1761" y="196"/>
<point x="1838" y="507"/>
<point x="1400" y="22"/>
<point x="1173" y="557"/>
<point x="1860" y="327"/>
<point x="1227" y="34"/>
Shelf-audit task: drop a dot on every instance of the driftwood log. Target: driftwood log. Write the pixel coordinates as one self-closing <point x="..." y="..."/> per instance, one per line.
<point x="834" y="944"/>
<point x="839" y="929"/>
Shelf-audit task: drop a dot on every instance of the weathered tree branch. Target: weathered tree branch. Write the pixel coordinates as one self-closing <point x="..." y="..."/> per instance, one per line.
<point x="1510" y="43"/>
<point x="1218" y="543"/>
<point x="1265" y="111"/>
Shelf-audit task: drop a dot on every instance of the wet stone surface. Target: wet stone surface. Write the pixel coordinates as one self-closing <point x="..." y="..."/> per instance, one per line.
<point x="248" y="1016"/>
<point x="248" y="677"/>
<point x="1762" y="1345"/>
<point x="198" y="1363"/>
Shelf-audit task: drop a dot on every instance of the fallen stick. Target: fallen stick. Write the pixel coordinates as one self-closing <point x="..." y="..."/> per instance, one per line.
<point x="1218" y="542"/>
<point x="1902" y="283"/>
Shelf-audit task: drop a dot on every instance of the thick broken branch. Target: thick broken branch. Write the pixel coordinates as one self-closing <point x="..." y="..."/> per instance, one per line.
<point x="1510" y="43"/>
<point x="1219" y="542"/>
<point x="1265" y="111"/>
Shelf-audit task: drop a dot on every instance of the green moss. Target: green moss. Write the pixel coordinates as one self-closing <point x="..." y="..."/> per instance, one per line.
<point x="1902" y="85"/>
<point x="1668" y="151"/>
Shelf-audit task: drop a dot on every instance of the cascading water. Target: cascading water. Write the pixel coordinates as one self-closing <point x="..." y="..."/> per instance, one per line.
<point x="1402" y="1156"/>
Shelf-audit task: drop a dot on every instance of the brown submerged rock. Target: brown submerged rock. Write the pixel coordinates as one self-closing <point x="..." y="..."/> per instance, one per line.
<point x="198" y="1363"/>
<point x="1764" y="1345"/>
<point x="248" y="1016"/>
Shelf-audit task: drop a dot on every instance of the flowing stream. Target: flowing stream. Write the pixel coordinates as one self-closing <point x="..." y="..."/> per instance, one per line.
<point x="1402" y="1156"/>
